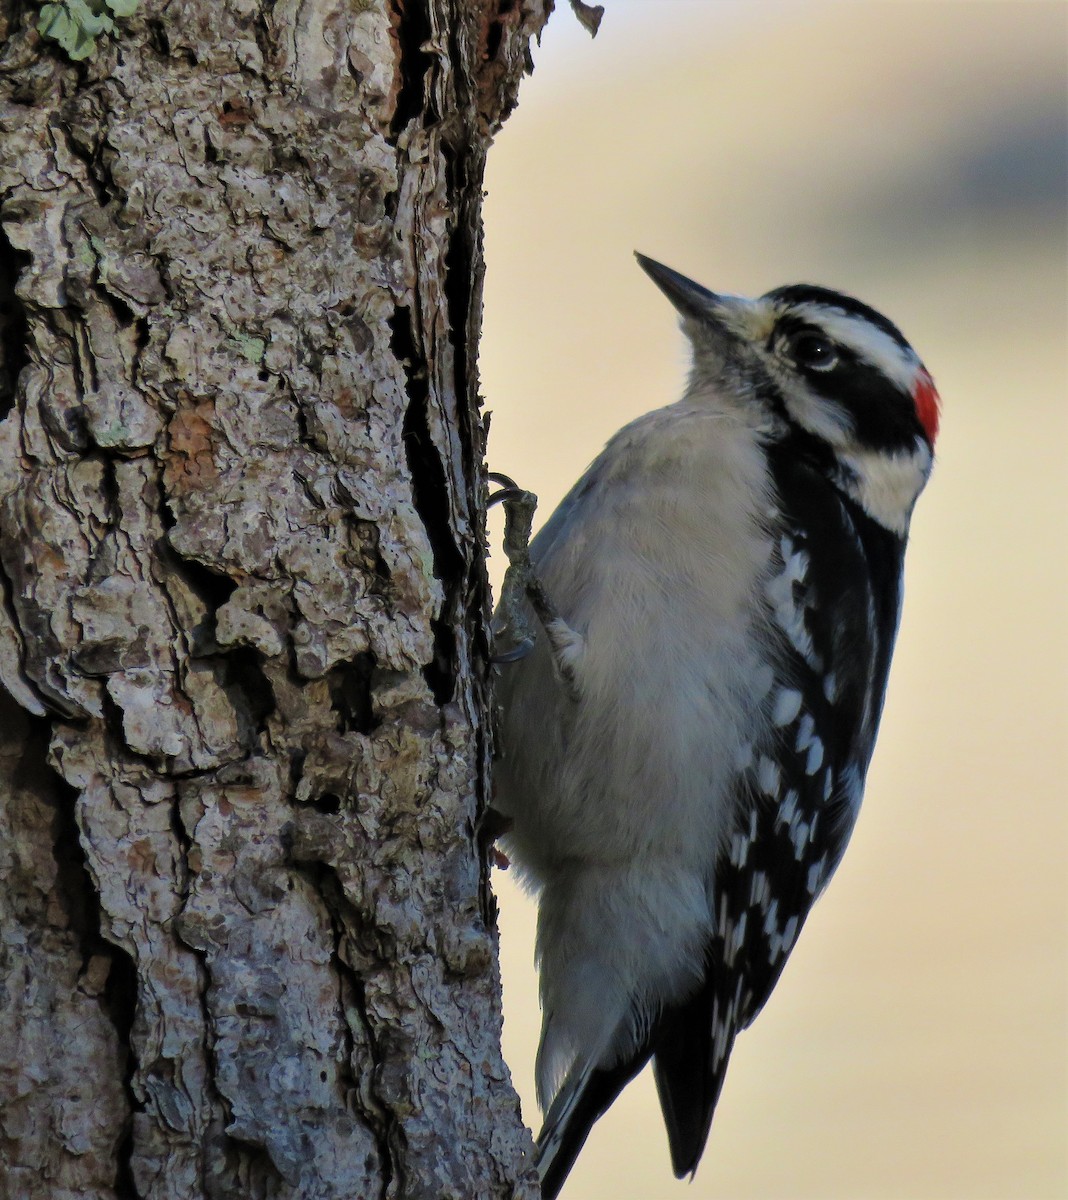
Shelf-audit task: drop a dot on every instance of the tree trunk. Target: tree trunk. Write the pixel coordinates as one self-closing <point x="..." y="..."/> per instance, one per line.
<point x="247" y="947"/>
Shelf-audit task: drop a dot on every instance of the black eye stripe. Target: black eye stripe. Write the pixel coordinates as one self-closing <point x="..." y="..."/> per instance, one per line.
<point x="790" y="330"/>
<point x="881" y="414"/>
<point x="812" y="351"/>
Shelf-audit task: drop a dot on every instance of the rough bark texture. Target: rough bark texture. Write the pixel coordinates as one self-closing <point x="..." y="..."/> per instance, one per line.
<point x="245" y="940"/>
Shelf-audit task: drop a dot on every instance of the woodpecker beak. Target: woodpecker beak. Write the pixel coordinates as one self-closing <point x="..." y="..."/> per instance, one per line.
<point x="693" y="301"/>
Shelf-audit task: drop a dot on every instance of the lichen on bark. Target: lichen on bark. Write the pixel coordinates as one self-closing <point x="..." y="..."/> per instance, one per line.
<point x="246" y="940"/>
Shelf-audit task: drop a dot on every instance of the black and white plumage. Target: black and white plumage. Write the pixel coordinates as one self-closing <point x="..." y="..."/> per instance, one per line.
<point x="729" y="572"/>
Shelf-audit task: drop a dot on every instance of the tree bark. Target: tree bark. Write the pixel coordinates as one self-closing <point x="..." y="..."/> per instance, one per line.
<point x="247" y="946"/>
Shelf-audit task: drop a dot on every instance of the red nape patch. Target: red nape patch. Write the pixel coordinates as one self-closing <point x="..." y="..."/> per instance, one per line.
<point x="928" y="404"/>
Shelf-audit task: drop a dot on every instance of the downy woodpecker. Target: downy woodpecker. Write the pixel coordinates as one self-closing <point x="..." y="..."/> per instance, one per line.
<point x="730" y="570"/>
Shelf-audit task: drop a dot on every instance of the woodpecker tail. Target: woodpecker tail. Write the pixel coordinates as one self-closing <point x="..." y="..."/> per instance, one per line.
<point x="692" y="1048"/>
<point x="585" y="1096"/>
<point x="690" y="1044"/>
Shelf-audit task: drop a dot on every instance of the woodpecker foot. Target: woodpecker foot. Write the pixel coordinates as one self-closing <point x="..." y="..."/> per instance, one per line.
<point x="492" y="825"/>
<point x="523" y="591"/>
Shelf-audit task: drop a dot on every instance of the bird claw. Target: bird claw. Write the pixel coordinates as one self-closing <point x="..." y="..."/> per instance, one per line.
<point x="492" y="825"/>
<point x="517" y="652"/>
<point x="523" y="590"/>
<point x="509" y="490"/>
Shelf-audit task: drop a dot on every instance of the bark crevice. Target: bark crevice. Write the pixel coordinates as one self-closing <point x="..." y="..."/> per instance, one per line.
<point x="119" y="1002"/>
<point x="431" y="497"/>
<point x="412" y="31"/>
<point x="352" y="695"/>
<point x="14" y="329"/>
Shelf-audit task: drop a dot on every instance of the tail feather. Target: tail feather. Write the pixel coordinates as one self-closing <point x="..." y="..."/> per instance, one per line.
<point x="579" y="1104"/>
<point x="690" y="1044"/>
<point x="689" y="1062"/>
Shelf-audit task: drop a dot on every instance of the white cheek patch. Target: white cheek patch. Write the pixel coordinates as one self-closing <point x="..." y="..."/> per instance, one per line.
<point x="898" y="363"/>
<point x="886" y="485"/>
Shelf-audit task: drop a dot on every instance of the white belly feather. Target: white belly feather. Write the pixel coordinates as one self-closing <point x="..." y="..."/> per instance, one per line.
<point x="622" y="800"/>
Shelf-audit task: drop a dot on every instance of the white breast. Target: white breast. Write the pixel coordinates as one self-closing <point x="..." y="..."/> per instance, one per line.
<point x="622" y="799"/>
<point x="659" y="568"/>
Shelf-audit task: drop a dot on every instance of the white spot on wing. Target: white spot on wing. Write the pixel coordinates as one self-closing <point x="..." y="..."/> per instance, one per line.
<point x="734" y="944"/>
<point x="806" y="733"/>
<point x="788" y="613"/>
<point x="799" y="835"/>
<point x="792" y="815"/>
<point x="789" y="934"/>
<point x="759" y="891"/>
<point x="740" y="844"/>
<point x="787" y="706"/>
<point x="722" y="1026"/>
<point x="779" y="941"/>
<point x="787" y="810"/>
<point x="815" y="757"/>
<point x="815" y="875"/>
<point x="768" y="776"/>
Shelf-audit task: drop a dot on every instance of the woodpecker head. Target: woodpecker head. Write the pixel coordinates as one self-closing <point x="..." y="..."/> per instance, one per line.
<point x="815" y="363"/>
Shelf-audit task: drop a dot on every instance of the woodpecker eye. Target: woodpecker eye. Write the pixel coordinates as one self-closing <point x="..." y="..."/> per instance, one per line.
<point x="814" y="352"/>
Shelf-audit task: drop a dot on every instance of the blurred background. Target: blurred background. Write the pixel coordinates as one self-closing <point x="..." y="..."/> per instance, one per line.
<point x="912" y="153"/>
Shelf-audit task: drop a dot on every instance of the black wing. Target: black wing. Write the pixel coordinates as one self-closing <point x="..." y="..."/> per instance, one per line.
<point x="833" y="605"/>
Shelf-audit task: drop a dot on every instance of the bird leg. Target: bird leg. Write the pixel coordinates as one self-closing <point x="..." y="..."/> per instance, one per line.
<point x="492" y="825"/>
<point x="523" y="592"/>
